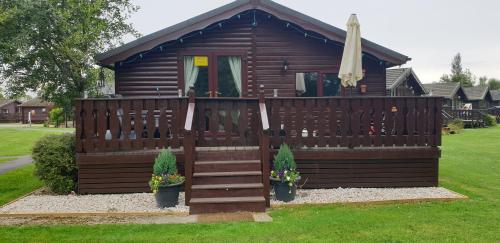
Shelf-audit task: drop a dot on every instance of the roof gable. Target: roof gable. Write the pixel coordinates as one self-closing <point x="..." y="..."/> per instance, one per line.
<point x="476" y="92"/>
<point x="4" y="102"/>
<point x="495" y="94"/>
<point x="173" y="33"/>
<point x="395" y="76"/>
<point x="36" y="102"/>
<point x="447" y="90"/>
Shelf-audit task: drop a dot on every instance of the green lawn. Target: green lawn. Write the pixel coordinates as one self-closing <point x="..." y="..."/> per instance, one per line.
<point x="16" y="183"/>
<point x="3" y="160"/>
<point x="18" y="139"/>
<point x="469" y="165"/>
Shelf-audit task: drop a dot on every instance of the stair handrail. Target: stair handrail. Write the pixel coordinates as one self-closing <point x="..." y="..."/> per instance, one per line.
<point x="189" y="145"/>
<point x="264" y="146"/>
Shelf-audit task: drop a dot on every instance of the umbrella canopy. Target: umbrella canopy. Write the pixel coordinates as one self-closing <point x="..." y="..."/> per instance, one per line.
<point x="350" y="68"/>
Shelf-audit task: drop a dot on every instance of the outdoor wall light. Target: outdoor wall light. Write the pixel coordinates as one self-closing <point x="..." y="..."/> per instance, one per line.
<point x="363" y="88"/>
<point x="285" y="65"/>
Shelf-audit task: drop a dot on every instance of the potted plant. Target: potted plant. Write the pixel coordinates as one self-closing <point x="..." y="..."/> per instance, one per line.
<point x="166" y="182"/>
<point x="284" y="176"/>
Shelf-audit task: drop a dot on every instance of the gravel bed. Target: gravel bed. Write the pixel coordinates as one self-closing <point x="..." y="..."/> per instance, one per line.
<point x="145" y="202"/>
<point x="346" y="195"/>
<point x="98" y="203"/>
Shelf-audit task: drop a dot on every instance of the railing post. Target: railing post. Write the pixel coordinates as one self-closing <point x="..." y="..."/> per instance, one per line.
<point x="189" y="146"/>
<point x="264" y="146"/>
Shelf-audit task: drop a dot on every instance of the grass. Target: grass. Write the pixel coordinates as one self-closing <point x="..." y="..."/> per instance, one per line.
<point x="3" y="160"/>
<point x="18" y="139"/>
<point x="16" y="183"/>
<point x="469" y="165"/>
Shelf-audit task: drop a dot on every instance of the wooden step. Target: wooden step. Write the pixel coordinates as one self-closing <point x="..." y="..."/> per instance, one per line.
<point x="226" y="166"/>
<point x="225" y="155"/>
<point x="227" y="190"/>
<point x="227" y="204"/>
<point x="234" y="177"/>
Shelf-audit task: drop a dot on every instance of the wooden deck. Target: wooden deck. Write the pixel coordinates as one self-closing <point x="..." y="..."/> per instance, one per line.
<point x="337" y="141"/>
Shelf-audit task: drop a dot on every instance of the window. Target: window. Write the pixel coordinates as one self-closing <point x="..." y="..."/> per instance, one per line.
<point x="314" y="84"/>
<point x="4" y="111"/>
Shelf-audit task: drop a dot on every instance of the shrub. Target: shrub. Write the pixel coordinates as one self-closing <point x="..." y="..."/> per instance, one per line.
<point x="456" y="125"/>
<point x="56" y="116"/>
<point x="284" y="160"/>
<point x="165" y="163"/>
<point x="165" y="171"/>
<point x="489" y="120"/>
<point x="285" y="168"/>
<point x="54" y="157"/>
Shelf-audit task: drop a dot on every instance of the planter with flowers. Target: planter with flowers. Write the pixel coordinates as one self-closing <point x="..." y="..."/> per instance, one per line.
<point x="284" y="176"/>
<point x="166" y="182"/>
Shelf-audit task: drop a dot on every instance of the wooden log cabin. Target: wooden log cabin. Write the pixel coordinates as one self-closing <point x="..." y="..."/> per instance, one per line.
<point x="225" y="89"/>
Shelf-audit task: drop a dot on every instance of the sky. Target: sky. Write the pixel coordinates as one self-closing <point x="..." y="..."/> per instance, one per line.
<point x="431" y="32"/>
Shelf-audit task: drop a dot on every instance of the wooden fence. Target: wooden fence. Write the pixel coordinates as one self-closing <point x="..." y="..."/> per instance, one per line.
<point x="355" y="122"/>
<point x="136" y="124"/>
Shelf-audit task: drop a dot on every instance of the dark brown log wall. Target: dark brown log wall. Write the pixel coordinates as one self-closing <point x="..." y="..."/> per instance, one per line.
<point x="266" y="47"/>
<point x="123" y="172"/>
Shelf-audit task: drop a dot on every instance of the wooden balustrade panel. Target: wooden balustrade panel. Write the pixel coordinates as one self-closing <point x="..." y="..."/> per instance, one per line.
<point x="155" y="123"/>
<point x="226" y="122"/>
<point x="129" y="124"/>
<point x="354" y="121"/>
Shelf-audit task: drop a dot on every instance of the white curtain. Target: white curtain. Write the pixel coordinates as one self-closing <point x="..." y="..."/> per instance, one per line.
<point x="300" y="83"/>
<point x="235" y="64"/>
<point x="190" y="73"/>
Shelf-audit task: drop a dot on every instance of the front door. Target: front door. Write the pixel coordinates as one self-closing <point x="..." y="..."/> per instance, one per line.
<point x="213" y="75"/>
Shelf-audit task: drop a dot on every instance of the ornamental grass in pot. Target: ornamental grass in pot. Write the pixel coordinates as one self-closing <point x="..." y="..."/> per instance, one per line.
<point x="284" y="176"/>
<point x="166" y="182"/>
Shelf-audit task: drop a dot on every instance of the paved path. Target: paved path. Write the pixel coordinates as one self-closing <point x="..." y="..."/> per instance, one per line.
<point x="15" y="163"/>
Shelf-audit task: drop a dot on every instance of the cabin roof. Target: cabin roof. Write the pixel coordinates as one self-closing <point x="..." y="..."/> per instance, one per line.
<point x="395" y="76"/>
<point x="446" y="90"/>
<point x="204" y="20"/>
<point x="36" y="102"/>
<point x="495" y="94"/>
<point x="4" y="102"/>
<point x="476" y="92"/>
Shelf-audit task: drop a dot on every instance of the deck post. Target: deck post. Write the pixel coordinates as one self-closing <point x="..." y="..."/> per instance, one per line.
<point x="189" y="145"/>
<point x="264" y="145"/>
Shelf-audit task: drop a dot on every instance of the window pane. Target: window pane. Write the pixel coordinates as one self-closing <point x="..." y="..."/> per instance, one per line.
<point x="201" y="85"/>
<point x="311" y="83"/>
<point x="226" y="86"/>
<point x="331" y="84"/>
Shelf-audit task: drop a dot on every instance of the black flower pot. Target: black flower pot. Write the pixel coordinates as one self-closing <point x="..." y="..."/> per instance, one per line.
<point x="168" y="195"/>
<point x="283" y="191"/>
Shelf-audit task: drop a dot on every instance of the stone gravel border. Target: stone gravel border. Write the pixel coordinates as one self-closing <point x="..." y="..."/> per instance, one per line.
<point x="144" y="203"/>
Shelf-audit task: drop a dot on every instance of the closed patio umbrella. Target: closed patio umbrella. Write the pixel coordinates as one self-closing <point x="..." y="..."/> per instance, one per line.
<point x="350" y="68"/>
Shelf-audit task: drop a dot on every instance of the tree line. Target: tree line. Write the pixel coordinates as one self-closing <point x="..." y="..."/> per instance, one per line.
<point x="465" y="76"/>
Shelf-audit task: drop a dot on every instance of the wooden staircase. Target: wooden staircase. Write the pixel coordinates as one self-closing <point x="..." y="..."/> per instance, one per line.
<point x="227" y="181"/>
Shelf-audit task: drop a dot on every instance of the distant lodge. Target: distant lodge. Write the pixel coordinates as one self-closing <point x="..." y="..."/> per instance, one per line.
<point x="36" y="110"/>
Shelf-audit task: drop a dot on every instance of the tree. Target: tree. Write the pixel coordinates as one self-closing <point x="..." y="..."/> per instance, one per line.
<point x="48" y="46"/>
<point x="494" y="83"/>
<point x="458" y="75"/>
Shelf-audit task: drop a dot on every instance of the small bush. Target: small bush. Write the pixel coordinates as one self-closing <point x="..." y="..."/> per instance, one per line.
<point x="56" y="116"/>
<point x="165" y="163"/>
<point x="165" y="171"/>
<point x="54" y="157"/>
<point x="456" y="125"/>
<point x="284" y="160"/>
<point x="489" y="120"/>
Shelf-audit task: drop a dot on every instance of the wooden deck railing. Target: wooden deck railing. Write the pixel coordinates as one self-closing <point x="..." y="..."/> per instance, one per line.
<point x="264" y="146"/>
<point x="153" y="123"/>
<point x="226" y="122"/>
<point x="129" y="124"/>
<point x="355" y="122"/>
